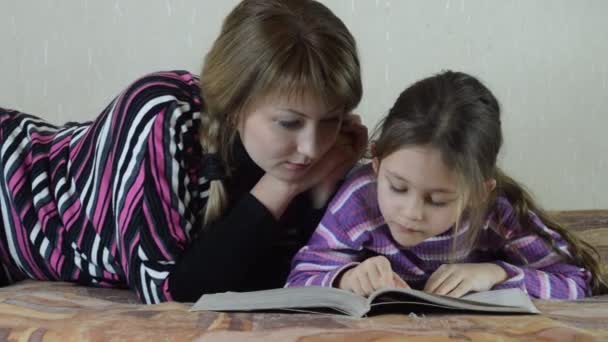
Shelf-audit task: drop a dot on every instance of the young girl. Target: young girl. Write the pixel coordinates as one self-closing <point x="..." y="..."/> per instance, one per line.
<point x="434" y="212"/>
<point x="185" y="186"/>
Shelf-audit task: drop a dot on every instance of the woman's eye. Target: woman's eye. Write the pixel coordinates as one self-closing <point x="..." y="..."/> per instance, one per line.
<point x="290" y="124"/>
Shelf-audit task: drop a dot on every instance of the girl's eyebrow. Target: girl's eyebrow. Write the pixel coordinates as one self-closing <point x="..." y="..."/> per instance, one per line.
<point x="441" y="190"/>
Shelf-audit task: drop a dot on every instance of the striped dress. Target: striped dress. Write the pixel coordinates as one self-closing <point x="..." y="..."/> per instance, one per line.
<point x="110" y="202"/>
<point x="353" y="229"/>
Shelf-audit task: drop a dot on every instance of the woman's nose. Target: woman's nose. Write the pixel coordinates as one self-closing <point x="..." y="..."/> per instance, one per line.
<point x="310" y="144"/>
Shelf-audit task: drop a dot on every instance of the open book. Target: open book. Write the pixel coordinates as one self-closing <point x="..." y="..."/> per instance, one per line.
<point x="327" y="299"/>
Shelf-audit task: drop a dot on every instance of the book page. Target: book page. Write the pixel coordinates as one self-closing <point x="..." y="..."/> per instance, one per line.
<point x="490" y="301"/>
<point x="503" y="297"/>
<point x="311" y="297"/>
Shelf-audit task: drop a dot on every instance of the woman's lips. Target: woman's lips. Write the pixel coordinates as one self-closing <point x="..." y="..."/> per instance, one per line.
<point x="296" y="166"/>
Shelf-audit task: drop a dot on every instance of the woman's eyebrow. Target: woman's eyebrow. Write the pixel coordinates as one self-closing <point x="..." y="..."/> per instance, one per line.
<point x="296" y="112"/>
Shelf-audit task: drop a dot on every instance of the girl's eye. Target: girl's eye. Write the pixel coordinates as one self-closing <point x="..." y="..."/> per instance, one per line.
<point x="437" y="203"/>
<point x="289" y="124"/>
<point x="397" y="189"/>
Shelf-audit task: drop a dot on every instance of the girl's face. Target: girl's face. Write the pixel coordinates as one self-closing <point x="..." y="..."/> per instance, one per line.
<point x="417" y="194"/>
<point x="286" y="136"/>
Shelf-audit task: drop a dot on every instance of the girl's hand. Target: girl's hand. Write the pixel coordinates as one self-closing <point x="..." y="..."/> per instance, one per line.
<point x="373" y="274"/>
<point x="456" y="280"/>
<point x="349" y="148"/>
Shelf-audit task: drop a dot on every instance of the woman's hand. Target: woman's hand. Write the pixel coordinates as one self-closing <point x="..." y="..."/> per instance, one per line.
<point x="348" y="149"/>
<point x="323" y="177"/>
<point x="456" y="280"/>
<point x="373" y="274"/>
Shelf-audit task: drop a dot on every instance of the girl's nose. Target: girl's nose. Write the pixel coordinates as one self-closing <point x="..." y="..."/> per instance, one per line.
<point x="413" y="208"/>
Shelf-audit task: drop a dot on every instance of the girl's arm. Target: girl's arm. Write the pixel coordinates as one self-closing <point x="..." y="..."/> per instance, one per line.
<point x="532" y="265"/>
<point x="337" y="243"/>
<point x="559" y="280"/>
<point x="328" y="253"/>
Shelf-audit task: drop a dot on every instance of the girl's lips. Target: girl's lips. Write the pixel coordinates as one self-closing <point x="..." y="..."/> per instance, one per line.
<point x="406" y="229"/>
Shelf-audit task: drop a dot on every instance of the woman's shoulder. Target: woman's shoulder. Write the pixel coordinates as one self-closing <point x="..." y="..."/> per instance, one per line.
<point x="171" y="99"/>
<point x="163" y="86"/>
<point x="171" y="76"/>
<point x="178" y="75"/>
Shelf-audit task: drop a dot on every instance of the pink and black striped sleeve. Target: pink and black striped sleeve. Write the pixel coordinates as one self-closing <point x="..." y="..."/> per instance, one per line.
<point x="156" y="192"/>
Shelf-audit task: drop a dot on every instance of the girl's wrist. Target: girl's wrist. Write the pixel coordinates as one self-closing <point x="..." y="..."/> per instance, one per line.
<point x="500" y="275"/>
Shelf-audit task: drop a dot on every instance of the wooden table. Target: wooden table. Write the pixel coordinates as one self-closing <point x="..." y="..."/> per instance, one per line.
<point x="35" y="311"/>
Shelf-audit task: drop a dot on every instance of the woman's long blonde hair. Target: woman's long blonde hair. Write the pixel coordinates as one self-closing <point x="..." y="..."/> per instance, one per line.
<point x="272" y="47"/>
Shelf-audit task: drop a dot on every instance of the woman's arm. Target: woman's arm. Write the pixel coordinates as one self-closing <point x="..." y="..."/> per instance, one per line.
<point x="221" y="257"/>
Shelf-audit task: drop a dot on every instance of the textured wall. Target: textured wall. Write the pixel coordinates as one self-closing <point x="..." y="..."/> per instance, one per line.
<point x="547" y="61"/>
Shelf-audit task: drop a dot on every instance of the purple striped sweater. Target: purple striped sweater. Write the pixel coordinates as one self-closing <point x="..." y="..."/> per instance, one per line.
<point x="74" y="200"/>
<point x="353" y="229"/>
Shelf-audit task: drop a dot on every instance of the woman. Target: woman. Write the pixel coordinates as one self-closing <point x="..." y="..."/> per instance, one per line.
<point x="183" y="187"/>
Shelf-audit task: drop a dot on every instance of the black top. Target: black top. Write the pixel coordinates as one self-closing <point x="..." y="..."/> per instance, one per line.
<point x="247" y="249"/>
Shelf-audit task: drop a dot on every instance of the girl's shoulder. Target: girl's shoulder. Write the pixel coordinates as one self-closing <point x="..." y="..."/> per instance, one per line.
<point x="505" y="219"/>
<point x="358" y="190"/>
<point x="504" y="210"/>
<point x="361" y="177"/>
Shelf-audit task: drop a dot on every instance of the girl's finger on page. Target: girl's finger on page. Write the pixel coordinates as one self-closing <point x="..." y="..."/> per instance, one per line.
<point x="399" y="282"/>
<point x="375" y="276"/>
<point x="449" y="284"/>
<point x="365" y="283"/>
<point x="355" y="287"/>
<point x="436" y="279"/>
<point x="384" y="273"/>
<point x="459" y="290"/>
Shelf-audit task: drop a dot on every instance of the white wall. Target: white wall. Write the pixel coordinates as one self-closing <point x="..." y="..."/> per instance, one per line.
<point x="547" y="62"/>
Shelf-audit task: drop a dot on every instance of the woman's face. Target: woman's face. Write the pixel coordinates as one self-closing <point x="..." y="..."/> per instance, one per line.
<point x="285" y="136"/>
